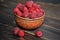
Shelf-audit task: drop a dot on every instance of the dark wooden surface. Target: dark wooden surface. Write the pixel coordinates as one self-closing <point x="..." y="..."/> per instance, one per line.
<point x="50" y="28"/>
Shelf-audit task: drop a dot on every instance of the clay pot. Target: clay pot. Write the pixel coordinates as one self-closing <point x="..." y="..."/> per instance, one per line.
<point x="29" y="23"/>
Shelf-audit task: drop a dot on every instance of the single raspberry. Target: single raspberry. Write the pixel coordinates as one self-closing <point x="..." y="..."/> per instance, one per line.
<point x="38" y="6"/>
<point x="15" y="31"/>
<point x="29" y="3"/>
<point x="15" y="10"/>
<point x="33" y="14"/>
<point x="25" y="9"/>
<point x="31" y="8"/>
<point x="37" y="10"/>
<point x="41" y="10"/>
<point x="19" y="13"/>
<point x="25" y="12"/>
<point x="39" y="34"/>
<point x="19" y="5"/>
<point x="21" y="33"/>
<point x="34" y="5"/>
<point x="39" y="14"/>
<point x="25" y="15"/>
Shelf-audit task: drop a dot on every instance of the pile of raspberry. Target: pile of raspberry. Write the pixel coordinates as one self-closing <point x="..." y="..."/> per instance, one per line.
<point x="29" y="10"/>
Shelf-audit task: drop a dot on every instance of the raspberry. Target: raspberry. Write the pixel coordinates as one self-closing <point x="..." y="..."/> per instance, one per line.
<point x="29" y="3"/>
<point x="19" y="5"/>
<point x="19" y="13"/>
<point x="39" y="34"/>
<point x="38" y="6"/>
<point x="41" y="10"/>
<point x="39" y="14"/>
<point x="15" y="31"/>
<point x="31" y="11"/>
<point x="25" y="12"/>
<point x="31" y="8"/>
<point x="34" y="11"/>
<point x="21" y="33"/>
<point x="37" y="10"/>
<point x="15" y="10"/>
<point x="25" y="15"/>
<point x="25" y="9"/>
<point x="34" y="5"/>
<point x="33" y="14"/>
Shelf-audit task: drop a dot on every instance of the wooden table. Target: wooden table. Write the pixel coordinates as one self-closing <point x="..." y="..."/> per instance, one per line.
<point x="50" y="28"/>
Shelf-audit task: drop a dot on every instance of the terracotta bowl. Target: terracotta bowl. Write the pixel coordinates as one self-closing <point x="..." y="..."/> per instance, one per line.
<point x="29" y="23"/>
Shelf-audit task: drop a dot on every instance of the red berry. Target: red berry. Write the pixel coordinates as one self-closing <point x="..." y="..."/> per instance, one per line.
<point x="34" y="5"/>
<point x="19" y="5"/>
<point x="25" y="12"/>
<point x="32" y="11"/>
<point x="39" y="14"/>
<point x="38" y="6"/>
<point x="41" y="10"/>
<point x="39" y="34"/>
<point x="25" y="9"/>
<point x="29" y="3"/>
<point x="37" y="10"/>
<point x="19" y="13"/>
<point x="21" y="33"/>
<point x="33" y="14"/>
<point x="25" y="15"/>
<point x="15" y="10"/>
<point x="15" y="31"/>
<point x="31" y="8"/>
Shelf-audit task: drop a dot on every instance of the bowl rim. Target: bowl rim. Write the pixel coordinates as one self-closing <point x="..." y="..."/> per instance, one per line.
<point x="30" y="19"/>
